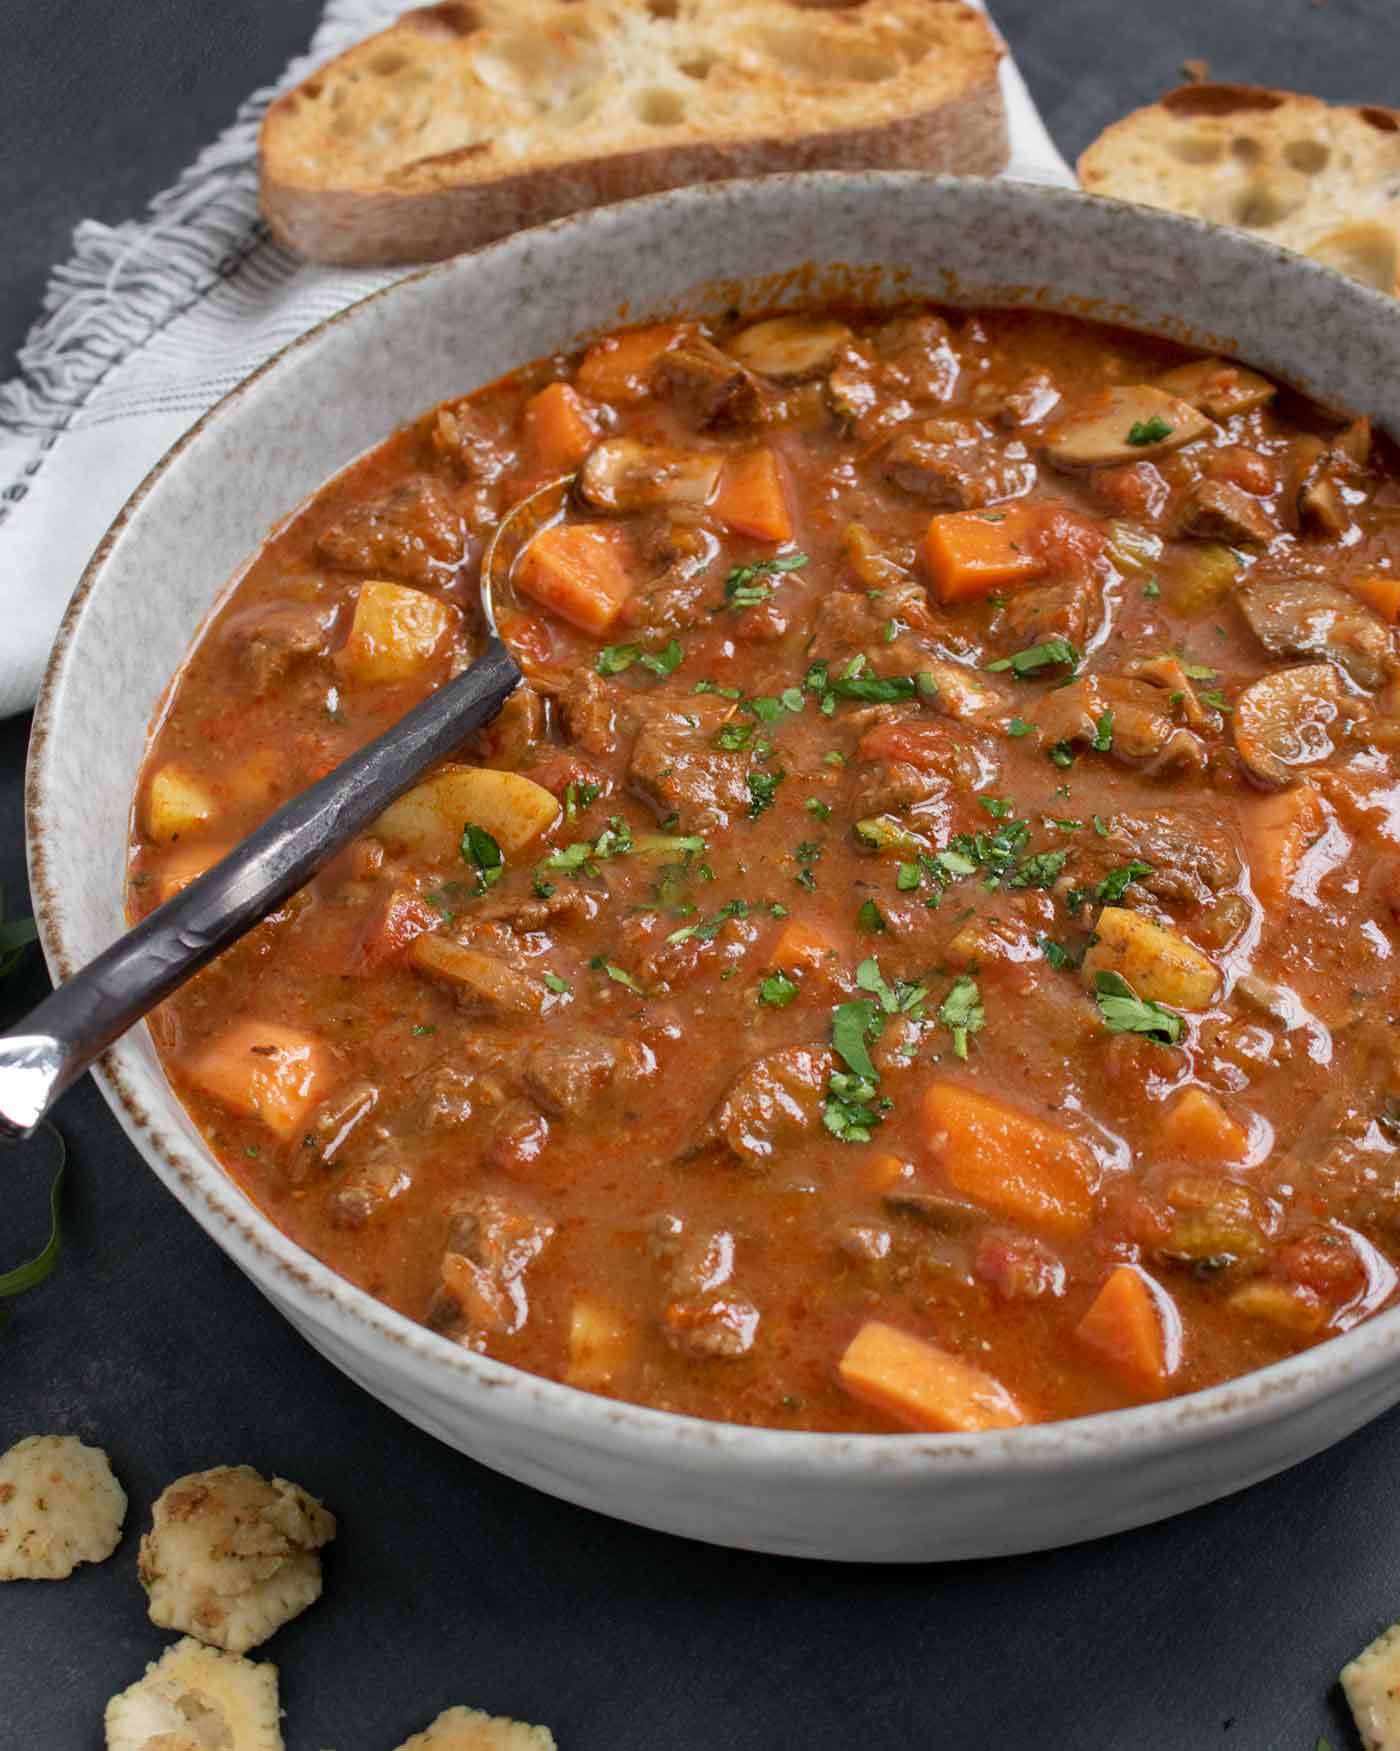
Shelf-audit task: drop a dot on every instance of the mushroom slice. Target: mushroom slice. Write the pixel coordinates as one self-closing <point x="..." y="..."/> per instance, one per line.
<point x="790" y="347"/>
<point x="1291" y="719"/>
<point x="1304" y="617"/>
<point x="1218" y="387"/>
<point x="621" y="474"/>
<point x="1131" y="424"/>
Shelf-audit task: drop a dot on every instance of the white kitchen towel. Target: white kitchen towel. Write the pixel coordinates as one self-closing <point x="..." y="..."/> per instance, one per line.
<point x="150" y="322"/>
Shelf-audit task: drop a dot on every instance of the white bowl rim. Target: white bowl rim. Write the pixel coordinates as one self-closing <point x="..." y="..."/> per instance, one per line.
<point x="356" y="1319"/>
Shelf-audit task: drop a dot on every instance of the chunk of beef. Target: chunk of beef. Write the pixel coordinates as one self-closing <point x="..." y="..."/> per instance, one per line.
<point x="1047" y="611"/>
<point x="1305" y="617"/>
<point x="677" y="768"/>
<point x="275" y="639"/>
<point x="718" y="1330"/>
<point x="484" y="984"/>
<point x="917" y="356"/>
<point x="331" y="1127"/>
<point x="680" y="551"/>
<point x="775" y="1101"/>
<point x="453" y="1097"/>
<point x="541" y="911"/>
<point x="848" y="625"/>
<point x="961" y="692"/>
<point x="570" y="1073"/>
<point x="1190" y="860"/>
<point x="587" y="712"/>
<point x="491" y="1241"/>
<point x="414" y="532"/>
<point x="712" y="388"/>
<point x="1033" y="399"/>
<point x="511" y="735"/>
<point x="954" y="465"/>
<point x="893" y="787"/>
<point x="1144" y="734"/>
<point x="459" y="433"/>
<point x="1217" y="510"/>
<point x="382" y="1174"/>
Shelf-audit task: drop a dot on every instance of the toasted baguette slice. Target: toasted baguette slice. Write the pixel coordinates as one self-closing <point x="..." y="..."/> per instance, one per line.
<point x="468" y="120"/>
<point x="1303" y="173"/>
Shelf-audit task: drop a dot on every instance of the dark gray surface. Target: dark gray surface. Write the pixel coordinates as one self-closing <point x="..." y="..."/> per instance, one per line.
<point x="448" y="1584"/>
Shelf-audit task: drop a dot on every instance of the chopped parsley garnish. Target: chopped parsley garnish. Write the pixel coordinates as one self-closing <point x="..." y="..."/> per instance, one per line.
<point x="1124" y="1012"/>
<point x="743" y="588"/>
<point x="733" y="736"/>
<point x="707" y="930"/>
<point x="1103" y="734"/>
<point x="833" y="757"/>
<point x="555" y="984"/>
<point x="420" y="1030"/>
<point x="618" y="975"/>
<point x="481" y="850"/>
<point x="1061" y="754"/>
<point x="998" y="807"/>
<point x="1019" y="727"/>
<point x="1197" y="672"/>
<point x="1149" y="431"/>
<point x="874" y="689"/>
<point x="1063" y="960"/>
<point x="614" y="658"/>
<point x="817" y="809"/>
<point x="1215" y="697"/>
<point x="872" y="918"/>
<point x="1039" y="656"/>
<point x="578" y="797"/>
<point x="854" y="1105"/>
<point x="1116" y="883"/>
<point x="1152" y="589"/>
<point x="714" y="687"/>
<point x="778" y="990"/>
<point x="907" y="877"/>
<point x="961" y="1012"/>
<point x="1039" y="871"/>
<point x="851" y="1023"/>
<point x="763" y="791"/>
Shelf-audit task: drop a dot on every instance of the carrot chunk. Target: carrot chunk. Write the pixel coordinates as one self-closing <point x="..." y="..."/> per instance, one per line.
<point x="923" y="1386"/>
<point x="1379" y="590"/>
<point x="264" y="1070"/>
<point x="1197" y="1126"/>
<point x="1280" y="830"/>
<point x="752" y="499"/>
<point x="880" y="1172"/>
<point x="973" y="553"/>
<point x="802" y="945"/>
<point x="619" y="367"/>
<point x="1003" y="1158"/>
<point x="581" y="571"/>
<point x="1131" y="1326"/>
<point x="558" y="428"/>
<point x="184" y="865"/>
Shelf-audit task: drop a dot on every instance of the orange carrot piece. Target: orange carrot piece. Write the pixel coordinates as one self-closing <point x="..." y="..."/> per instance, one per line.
<point x="752" y="499"/>
<point x="186" y="863"/>
<point x="1279" y="831"/>
<point x="1017" y="1165"/>
<point x="1379" y="590"/>
<point x="558" y="428"/>
<point x="802" y="945"/>
<point x="581" y="571"/>
<point x="923" y="1386"/>
<point x="263" y="1070"/>
<point x="881" y="1172"/>
<point x="973" y="553"/>
<point x="1198" y="1126"/>
<point x="1127" y="1328"/>
<point x="619" y="367"/>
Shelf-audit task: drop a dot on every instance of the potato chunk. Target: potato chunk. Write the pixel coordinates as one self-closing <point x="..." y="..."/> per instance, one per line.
<point x="395" y="634"/>
<point x="468" y="1729"/>
<point x="431" y="818"/>
<point x="600" y="1344"/>
<point x="1133" y="424"/>
<point x="1159" y="965"/>
<point x="265" y="1071"/>
<point x="197" y="1699"/>
<point x="59" y="1506"/>
<point x="231" y="1557"/>
<point x="177" y="803"/>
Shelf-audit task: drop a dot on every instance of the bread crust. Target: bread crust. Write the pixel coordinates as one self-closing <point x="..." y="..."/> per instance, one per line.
<point x="951" y="120"/>
<point x="1320" y="178"/>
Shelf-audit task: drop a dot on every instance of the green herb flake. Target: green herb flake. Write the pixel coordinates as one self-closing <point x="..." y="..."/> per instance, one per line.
<point x="481" y="851"/>
<point x="731" y="737"/>
<point x="1149" y="431"/>
<point x="763" y="791"/>
<point x="1215" y="698"/>
<point x="560" y="987"/>
<point x="817" y="809"/>
<point x="874" y="689"/>
<point x="421" y="1030"/>
<point x="618" y="975"/>
<point x="778" y="990"/>
<point x="961" y="1012"/>
<point x="614" y="658"/>
<point x="743" y="588"/>
<point x="871" y="918"/>
<point x="1051" y="654"/>
<point x="907" y="877"/>
<point x="665" y="661"/>
<point x="714" y="687"/>
<point x="851" y="1023"/>
<point x="1124" y="1012"/>
<point x="1152" y="589"/>
<point x="1116" y="883"/>
<point x="833" y="757"/>
<point x="1019" y="727"/>
<point x="1103" y="734"/>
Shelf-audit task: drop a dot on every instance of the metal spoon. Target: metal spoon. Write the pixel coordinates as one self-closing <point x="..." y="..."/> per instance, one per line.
<point x="60" y="1039"/>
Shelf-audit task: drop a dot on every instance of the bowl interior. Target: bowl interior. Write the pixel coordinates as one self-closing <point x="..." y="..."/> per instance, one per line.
<point x="786" y="240"/>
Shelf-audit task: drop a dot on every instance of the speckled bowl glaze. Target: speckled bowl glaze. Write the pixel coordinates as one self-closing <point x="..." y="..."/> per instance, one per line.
<point x="197" y="518"/>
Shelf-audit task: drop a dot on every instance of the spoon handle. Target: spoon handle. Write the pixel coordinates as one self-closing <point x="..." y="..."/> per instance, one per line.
<point x="59" y="1040"/>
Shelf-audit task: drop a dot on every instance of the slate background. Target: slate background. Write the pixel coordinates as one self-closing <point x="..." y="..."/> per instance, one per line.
<point x="448" y="1584"/>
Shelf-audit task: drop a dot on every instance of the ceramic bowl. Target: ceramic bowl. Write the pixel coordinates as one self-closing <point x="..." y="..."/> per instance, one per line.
<point x="274" y="440"/>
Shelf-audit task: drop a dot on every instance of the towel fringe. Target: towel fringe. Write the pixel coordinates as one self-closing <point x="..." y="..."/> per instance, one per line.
<point x="124" y="283"/>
